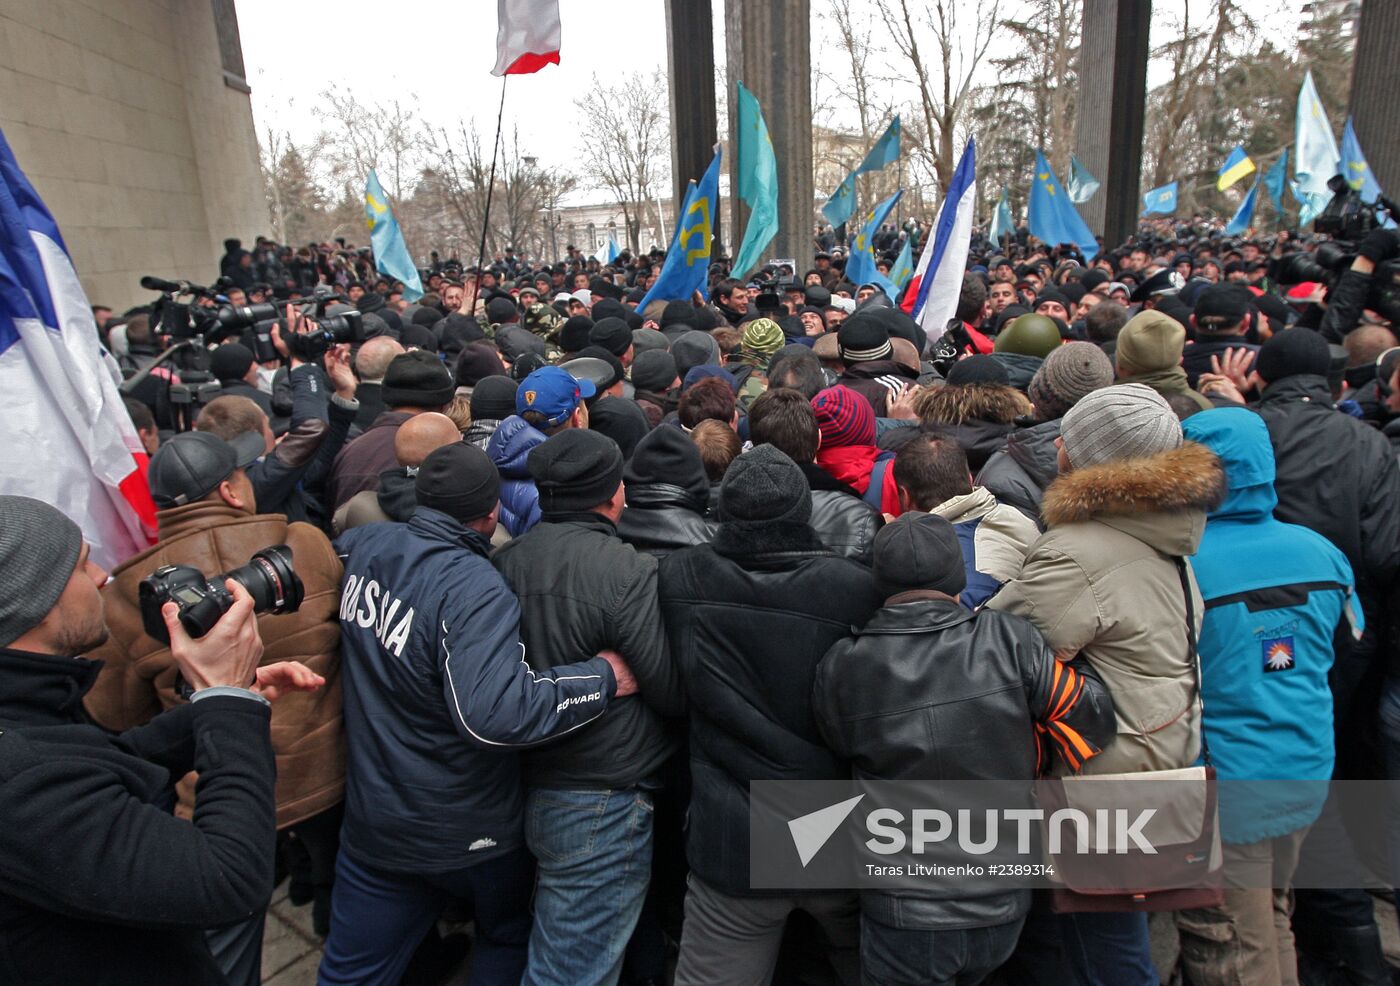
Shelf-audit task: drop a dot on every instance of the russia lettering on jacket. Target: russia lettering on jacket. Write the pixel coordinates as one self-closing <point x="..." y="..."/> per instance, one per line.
<point x="370" y="605"/>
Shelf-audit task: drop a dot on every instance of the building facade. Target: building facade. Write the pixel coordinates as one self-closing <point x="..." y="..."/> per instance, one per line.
<point x="132" y="120"/>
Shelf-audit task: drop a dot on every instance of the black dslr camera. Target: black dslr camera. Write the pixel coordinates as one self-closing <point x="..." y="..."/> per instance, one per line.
<point x="268" y="577"/>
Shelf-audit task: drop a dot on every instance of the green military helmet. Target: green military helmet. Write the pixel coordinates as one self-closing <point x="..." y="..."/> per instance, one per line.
<point x="1029" y="335"/>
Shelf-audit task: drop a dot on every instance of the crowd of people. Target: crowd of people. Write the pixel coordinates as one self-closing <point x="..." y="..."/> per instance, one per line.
<point x="575" y="573"/>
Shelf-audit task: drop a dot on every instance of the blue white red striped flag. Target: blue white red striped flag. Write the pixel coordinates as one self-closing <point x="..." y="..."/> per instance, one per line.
<point x="68" y="439"/>
<point x="944" y="261"/>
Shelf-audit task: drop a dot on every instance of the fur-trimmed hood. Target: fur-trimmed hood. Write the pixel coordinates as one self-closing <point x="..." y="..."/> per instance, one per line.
<point x="956" y="405"/>
<point x="1135" y="495"/>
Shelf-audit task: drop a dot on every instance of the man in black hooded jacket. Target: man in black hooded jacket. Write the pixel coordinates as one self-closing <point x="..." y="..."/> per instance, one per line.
<point x="667" y="495"/>
<point x="748" y="617"/>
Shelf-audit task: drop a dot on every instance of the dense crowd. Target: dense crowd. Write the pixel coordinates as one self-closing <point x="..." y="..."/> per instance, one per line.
<point x="575" y="573"/>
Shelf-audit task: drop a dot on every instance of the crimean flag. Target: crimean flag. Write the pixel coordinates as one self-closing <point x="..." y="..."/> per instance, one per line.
<point x="944" y="260"/>
<point x="68" y="439"/>
<point x="527" y="36"/>
<point x="1236" y="166"/>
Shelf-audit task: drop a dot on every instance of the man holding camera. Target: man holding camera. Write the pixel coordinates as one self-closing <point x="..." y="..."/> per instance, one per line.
<point x="98" y="881"/>
<point x="208" y="519"/>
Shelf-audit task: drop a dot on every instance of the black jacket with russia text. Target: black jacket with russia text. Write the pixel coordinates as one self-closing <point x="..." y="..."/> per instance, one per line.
<point x="439" y="699"/>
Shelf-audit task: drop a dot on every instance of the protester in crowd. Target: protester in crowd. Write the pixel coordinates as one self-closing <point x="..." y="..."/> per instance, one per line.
<point x="232" y="364"/>
<point x="1103" y="582"/>
<point x="395" y="500"/>
<point x="933" y="477"/>
<point x="414" y="382"/>
<point x="1019" y="473"/>
<point x="1336" y="476"/>
<point x="897" y="698"/>
<point x="752" y="717"/>
<point x="547" y="402"/>
<point x="209" y="520"/>
<point x="667" y="495"/>
<point x="492" y="401"/>
<point x="1266" y="652"/>
<point x="976" y="408"/>
<point x="101" y="882"/>
<point x="291" y="477"/>
<point x="588" y="812"/>
<point x="1022" y="344"/>
<point x="870" y="367"/>
<point x="1221" y="317"/>
<point x="719" y="446"/>
<point x="845" y="523"/>
<point x="371" y="363"/>
<point x="848" y="453"/>
<point x="1149" y="352"/>
<point x="438" y="703"/>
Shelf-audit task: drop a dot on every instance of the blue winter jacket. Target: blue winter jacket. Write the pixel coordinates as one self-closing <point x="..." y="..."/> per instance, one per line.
<point x="509" y="448"/>
<point x="1274" y="595"/>
<point x="438" y="697"/>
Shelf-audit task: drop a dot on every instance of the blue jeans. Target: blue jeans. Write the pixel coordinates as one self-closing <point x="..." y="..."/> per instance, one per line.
<point x="1108" y="949"/>
<point x="913" y="957"/>
<point x="593" y="848"/>
<point x="379" y="918"/>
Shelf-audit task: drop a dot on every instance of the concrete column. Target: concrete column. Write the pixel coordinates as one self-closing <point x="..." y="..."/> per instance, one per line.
<point x="1375" y="79"/>
<point x="768" y="48"/>
<point x="1112" y="101"/>
<point x="690" y="61"/>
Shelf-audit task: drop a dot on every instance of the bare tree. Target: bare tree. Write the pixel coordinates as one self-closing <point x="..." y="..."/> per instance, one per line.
<point x="626" y="139"/>
<point x="523" y="203"/>
<point x="384" y="136"/>
<point x="295" y="200"/>
<point x="943" y="62"/>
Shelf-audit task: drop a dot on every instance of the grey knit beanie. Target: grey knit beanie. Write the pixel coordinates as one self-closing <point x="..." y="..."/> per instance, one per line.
<point x="1067" y="374"/>
<point x="1127" y="421"/>
<point x="695" y="348"/>
<point x="39" y="548"/>
<point x="764" y="485"/>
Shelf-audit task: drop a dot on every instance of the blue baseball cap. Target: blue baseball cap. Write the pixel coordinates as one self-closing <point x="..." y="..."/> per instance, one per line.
<point x="552" y="392"/>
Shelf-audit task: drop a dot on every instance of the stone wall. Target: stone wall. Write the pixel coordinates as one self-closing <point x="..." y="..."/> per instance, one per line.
<point x="120" y="113"/>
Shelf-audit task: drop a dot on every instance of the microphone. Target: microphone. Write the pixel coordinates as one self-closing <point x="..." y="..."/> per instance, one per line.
<point x="172" y="287"/>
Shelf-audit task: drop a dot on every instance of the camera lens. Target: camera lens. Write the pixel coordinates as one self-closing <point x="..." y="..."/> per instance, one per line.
<point x="270" y="580"/>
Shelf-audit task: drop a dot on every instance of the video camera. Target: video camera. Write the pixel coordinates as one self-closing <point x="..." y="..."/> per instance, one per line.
<point x="345" y="326"/>
<point x="1348" y="220"/>
<point x="268" y="577"/>
<point x="188" y="320"/>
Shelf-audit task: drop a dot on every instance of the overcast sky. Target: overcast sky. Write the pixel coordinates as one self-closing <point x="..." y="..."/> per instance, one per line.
<point x="437" y="57"/>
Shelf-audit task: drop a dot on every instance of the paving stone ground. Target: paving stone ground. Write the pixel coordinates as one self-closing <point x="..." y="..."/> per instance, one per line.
<point x="291" y="951"/>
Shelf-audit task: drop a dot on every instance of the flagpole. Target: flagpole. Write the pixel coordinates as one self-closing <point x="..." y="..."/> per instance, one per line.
<point x="491" y="187"/>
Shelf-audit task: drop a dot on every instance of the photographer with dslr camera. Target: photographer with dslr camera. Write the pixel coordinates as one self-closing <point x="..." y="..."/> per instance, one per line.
<point x="291" y="477"/>
<point x="207" y="519"/>
<point x="1354" y="290"/>
<point x="99" y="883"/>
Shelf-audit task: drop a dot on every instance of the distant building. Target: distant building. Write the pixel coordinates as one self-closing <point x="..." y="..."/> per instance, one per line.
<point x="132" y="119"/>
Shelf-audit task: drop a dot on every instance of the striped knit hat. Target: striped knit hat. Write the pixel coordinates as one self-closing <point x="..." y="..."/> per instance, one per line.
<point x="862" y="339"/>
<point x="1126" y="421"/>
<point x="844" y="417"/>
<point x="762" y="337"/>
